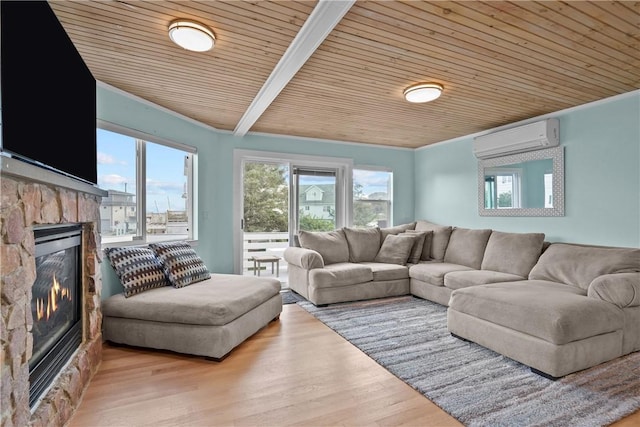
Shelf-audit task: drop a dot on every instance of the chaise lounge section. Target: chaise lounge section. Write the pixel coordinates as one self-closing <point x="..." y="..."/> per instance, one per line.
<point x="208" y="318"/>
<point x="579" y="307"/>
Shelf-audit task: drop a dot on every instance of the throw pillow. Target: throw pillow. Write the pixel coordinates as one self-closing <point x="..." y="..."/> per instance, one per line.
<point x="180" y="262"/>
<point x="440" y="239"/>
<point x="384" y="232"/>
<point x="137" y="268"/>
<point x="331" y="245"/>
<point x="364" y="243"/>
<point x="395" y="249"/>
<point x="419" y="240"/>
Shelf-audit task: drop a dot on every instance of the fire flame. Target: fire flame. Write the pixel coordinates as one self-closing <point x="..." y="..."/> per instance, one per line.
<point x="56" y="294"/>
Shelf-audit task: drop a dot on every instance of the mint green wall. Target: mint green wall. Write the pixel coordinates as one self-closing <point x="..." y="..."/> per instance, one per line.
<point x="215" y="179"/>
<point x="602" y="179"/>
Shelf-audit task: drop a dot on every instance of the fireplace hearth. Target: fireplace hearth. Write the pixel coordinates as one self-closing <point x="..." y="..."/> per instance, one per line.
<point x="55" y="304"/>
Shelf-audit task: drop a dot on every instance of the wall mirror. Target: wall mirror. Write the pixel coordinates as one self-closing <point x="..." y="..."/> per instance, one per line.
<point x="524" y="184"/>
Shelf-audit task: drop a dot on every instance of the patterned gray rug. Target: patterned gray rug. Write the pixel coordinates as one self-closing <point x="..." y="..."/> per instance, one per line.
<point x="408" y="337"/>
<point x="289" y="297"/>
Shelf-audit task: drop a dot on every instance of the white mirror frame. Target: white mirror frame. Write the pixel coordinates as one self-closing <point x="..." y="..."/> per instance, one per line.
<point x="556" y="154"/>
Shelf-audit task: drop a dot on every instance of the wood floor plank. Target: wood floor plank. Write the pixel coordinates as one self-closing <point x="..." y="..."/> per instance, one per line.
<point x="294" y="372"/>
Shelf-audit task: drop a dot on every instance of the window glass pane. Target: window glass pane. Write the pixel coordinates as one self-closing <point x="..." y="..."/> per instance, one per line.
<point x="165" y="211"/>
<point x="166" y="193"/>
<point x="372" y="197"/>
<point x="117" y="175"/>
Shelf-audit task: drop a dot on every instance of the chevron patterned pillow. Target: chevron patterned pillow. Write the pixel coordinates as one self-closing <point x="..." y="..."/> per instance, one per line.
<point x="137" y="268"/>
<point x="181" y="263"/>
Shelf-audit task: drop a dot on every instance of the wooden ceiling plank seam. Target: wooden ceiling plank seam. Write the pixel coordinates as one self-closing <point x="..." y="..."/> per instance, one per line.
<point x="518" y="59"/>
<point x="591" y="36"/>
<point x="464" y="109"/>
<point x="184" y="76"/>
<point x="502" y="96"/>
<point x="516" y="76"/>
<point x="543" y="45"/>
<point x="189" y="61"/>
<point x="172" y="62"/>
<point x="111" y="28"/>
<point x="512" y="36"/>
<point x="616" y="26"/>
<point x="623" y="11"/>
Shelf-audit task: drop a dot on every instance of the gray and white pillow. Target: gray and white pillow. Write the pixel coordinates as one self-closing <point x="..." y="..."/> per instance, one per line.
<point x="180" y="262"/>
<point x="137" y="268"/>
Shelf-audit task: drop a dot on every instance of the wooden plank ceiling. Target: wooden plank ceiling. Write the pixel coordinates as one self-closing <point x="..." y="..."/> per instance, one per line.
<point x="499" y="62"/>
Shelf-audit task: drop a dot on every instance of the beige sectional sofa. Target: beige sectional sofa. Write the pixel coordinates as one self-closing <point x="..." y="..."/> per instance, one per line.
<point x="555" y="307"/>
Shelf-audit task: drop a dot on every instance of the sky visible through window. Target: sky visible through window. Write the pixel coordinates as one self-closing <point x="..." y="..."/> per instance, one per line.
<point x="165" y="170"/>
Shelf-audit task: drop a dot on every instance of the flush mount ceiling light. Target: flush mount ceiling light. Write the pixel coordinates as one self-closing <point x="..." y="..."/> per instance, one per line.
<point x="191" y="35"/>
<point x="423" y="92"/>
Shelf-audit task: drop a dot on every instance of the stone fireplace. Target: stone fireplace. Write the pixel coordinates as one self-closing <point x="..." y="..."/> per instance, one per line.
<point x="35" y="199"/>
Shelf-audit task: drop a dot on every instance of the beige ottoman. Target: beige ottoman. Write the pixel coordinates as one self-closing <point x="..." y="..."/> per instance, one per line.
<point x="207" y="318"/>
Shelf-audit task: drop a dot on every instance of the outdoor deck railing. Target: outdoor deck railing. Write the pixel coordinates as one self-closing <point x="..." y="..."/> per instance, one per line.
<point x="264" y="244"/>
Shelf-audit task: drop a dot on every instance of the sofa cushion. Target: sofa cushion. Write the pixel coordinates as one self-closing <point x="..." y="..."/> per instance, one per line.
<point x="180" y="263"/>
<point x="364" y="243"/>
<point x="415" y="256"/>
<point x="138" y="269"/>
<point x="331" y="245"/>
<point x="555" y="313"/>
<point x="384" y="232"/>
<point x="384" y="271"/>
<point x="340" y="274"/>
<point x="514" y="253"/>
<point x="440" y="239"/>
<point x="579" y="265"/>
<point x="395" y="249"/>
<point x="433" y="272"/>
<point x="621" y="289"/>
<point x="466" y="247"/>
<point x="464" y="279"/>
<point x="216" y="301"/>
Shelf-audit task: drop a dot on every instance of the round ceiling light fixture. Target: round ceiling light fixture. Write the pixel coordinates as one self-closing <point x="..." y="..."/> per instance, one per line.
<point x="423" y="92"/>
<point x="191" y="35"/>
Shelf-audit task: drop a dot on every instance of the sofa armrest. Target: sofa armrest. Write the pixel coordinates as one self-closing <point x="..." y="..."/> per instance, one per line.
<point x="307" y="259"/>
<point x="621" y="289"/>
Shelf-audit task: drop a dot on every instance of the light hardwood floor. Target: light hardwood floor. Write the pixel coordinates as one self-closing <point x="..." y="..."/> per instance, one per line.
<point x="294" y="372"/>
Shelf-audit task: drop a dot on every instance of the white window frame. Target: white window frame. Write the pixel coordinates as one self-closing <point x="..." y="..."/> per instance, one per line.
<point x="192" y="183"/>
<point x="377" y="169"/>
<point x="516" y="177"/>
<point x="344" y="192"/>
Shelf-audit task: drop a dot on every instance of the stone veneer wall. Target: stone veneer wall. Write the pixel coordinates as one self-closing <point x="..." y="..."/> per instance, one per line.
<point x="26" y="204"/>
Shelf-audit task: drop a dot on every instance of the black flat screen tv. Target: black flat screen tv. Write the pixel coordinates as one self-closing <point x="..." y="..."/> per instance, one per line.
<point x="48" y="93"/>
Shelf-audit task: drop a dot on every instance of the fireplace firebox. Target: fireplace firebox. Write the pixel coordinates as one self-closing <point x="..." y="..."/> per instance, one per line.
<point x="55" y="304"/>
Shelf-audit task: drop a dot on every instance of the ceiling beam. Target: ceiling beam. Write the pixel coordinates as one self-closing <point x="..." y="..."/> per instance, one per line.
<point x="324" y="17"/>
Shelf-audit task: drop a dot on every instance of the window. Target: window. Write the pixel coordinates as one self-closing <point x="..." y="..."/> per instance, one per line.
<point x="149" y="184"/>
<point x="502" y="188"/>
<point x="372" y="195"/>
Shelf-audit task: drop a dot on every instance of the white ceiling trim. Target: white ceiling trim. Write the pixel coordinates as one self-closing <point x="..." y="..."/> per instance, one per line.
<point x="324" y="17"/>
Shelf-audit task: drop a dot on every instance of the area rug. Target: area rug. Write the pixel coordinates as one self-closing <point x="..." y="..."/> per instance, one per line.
<point x="408" y="337"/>
<point x="289" y="297"/>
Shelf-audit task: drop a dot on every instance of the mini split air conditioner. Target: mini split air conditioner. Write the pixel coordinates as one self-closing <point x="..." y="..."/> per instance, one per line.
<point x="534" y="136"/>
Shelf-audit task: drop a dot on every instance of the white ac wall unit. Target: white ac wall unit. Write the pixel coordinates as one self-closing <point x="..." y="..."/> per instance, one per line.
<point x="533" y="136"/>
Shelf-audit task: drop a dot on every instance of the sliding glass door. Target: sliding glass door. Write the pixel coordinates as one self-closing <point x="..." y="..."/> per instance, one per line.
<point x="277" y="196"/>
<point x="315" y="204"/>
